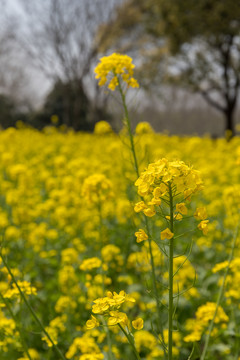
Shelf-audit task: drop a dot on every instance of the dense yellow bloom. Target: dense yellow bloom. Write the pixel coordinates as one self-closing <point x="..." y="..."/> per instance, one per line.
<point x="65" y="304"/>
<point x="48" y="224"/>
<point x="113" y="68"/>
<point x="204" y="315"/>
<point x="68" y="280"/>
<point x="143" y="127"/>
<point x="33" y="353"/>
<point x="112" y="301"/>
<point x="102" y="128"/>
<point x="85" y="348"/>
<point x="90" y="264"/>
<point x="232" y="292"/>
<point x="97" y="188"/>
<point x="92" y="356"/>
<point x="110" y="252"/>
<point x="25" y="287"/>
<point x="144" y="339"/>
<point x="176" y="173"/>
<point x="161" y="178"/>
<point x="69" y="256"/>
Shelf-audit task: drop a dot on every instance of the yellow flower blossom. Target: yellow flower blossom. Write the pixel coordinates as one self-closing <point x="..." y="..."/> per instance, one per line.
<point x="200" y="213"/>
<point x="137" y="324"/>
<point x="90" y="264"/>
<point x="203" y="226"/>
<point x="117" y="317"/>
<point x="141" y="235"/>
<point x="140" y="206"/>
<point x="102" y="128"/>
<point x="92" y="323"/>
<point x="166" y="234"/>
<point x="181" y="208"/>
<point x="149" y="212"/>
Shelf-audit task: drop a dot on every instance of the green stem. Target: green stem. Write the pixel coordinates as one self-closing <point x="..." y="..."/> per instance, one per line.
<point x="31" y="309"/>
<point x="123" y="97"/>
<point x="25" y="348"/>
<point x="170" y="280"/>
<point x="154" y="280"/>
<point x="220" y="294"/>
<point x="103" y="277"/>
<point x="130" y="342"/>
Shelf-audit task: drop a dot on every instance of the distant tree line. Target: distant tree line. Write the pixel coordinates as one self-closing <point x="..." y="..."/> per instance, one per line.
<point x="189" y="44"/>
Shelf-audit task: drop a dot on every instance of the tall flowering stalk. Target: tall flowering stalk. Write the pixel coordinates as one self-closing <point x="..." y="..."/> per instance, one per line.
<point x="169" y="186"/>
<point x="117" y="71"/>
<point x="168" y="183"/>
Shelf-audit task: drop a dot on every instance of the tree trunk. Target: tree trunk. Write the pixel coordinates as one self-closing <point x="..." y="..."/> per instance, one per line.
<point x="229" y="123"/>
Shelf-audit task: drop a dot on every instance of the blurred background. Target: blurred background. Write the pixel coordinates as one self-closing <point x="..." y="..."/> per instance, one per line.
<point x="186" y="52"/>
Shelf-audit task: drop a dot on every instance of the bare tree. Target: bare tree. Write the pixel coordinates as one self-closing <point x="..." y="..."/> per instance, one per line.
<point x="59" y="37"/>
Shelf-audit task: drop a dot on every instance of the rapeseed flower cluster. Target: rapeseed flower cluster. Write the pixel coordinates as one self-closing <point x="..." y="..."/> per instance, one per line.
<point x="115" y="68"/>
<point x="162" y="180"/>
<point x="97" y="188"/>
<point x="109" y="307"/>
<point x="203" y="315"/>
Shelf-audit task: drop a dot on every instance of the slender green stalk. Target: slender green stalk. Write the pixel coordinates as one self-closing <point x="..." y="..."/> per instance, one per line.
<point x="31" y="309"/>
<point x="220" y="294"/>
<point x="170" y="279"/>
<point x="126" y="113"/>
<point x="154" y="283"/>
<point x="24" y="345"/>
<point x="103" y="279"/>
<point x="130" y="342"/>
<point x="123" y="97"/>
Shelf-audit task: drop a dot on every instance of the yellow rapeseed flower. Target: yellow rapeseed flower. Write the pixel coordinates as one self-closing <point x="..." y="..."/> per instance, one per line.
<point x="116" y="67"/>
<point x="166" y="234"/>
<point x="203" y="226"/>
<point x="200" y="213"/>
<point x="92" y="323"/>
<point x="141" y="235"/>
<point x="181" y="208"/>
<point x="137" y="324"/>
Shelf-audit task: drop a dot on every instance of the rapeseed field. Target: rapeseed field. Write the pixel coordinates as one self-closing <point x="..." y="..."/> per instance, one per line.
<point x="118" y="246"/>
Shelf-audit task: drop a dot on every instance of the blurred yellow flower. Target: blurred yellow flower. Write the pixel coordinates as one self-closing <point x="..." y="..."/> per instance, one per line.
<point x="137" y="324"/>
<point x="166" y="234"/>
<point x="141" y="235"/>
